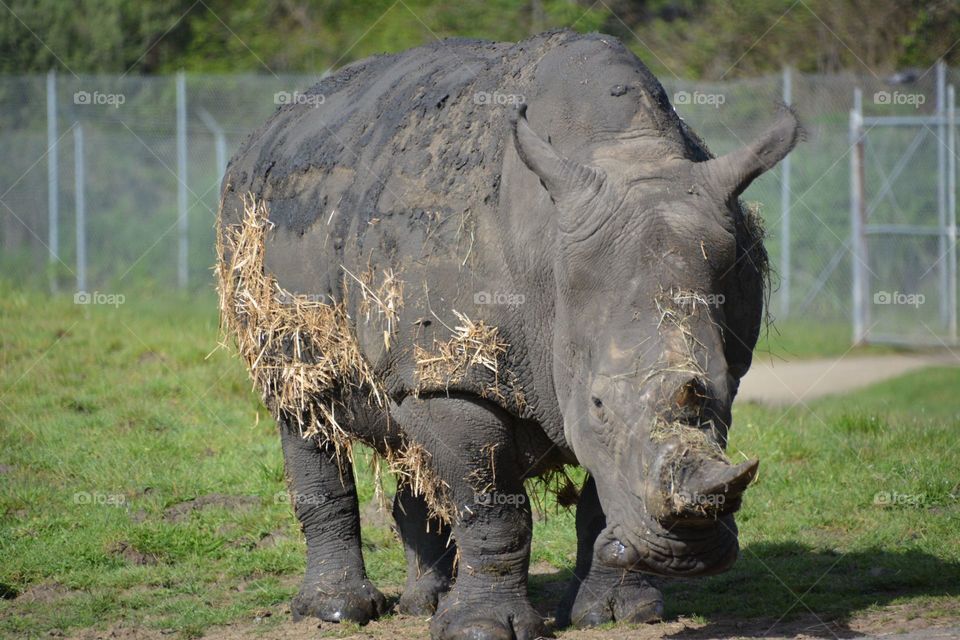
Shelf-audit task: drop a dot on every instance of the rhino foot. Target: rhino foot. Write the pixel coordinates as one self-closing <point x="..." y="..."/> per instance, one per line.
<point x="420" y="598"/>
<point x="489" y="619"/>
<point x="625" y="598"/>
<point x="358" y="601"/>
<point x="429" y="552"/>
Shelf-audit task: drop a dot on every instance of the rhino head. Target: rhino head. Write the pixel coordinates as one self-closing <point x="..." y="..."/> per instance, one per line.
<point x="658" y="308"/>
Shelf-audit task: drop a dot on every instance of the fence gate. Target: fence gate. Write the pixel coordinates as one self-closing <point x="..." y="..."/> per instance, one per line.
<point x="903" y="215"/>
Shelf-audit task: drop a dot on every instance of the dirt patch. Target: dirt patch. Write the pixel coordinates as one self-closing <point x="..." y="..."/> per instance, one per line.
<point x="938" y="620"/>
<point x="150" y="356"/>
<point x="119" y="631"/>
<point x="404" y="627"/>
<point x="272" y="539"/>
<point x="45" y="593"/>
<point x="181" y="512"/>
<point x="906" y="618"/>
<point x="378" y="513"/>
<point x="131" y="554"/>
<point x="921" y="621"/>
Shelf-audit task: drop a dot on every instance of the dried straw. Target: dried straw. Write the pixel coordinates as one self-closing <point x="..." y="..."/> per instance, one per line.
<point x="300" y="351"/>
<point x="472" y="344"/>
<point x="303" y="356"/>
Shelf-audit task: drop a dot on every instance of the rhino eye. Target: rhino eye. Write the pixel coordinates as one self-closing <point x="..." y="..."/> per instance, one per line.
<point x="596" y="402"/>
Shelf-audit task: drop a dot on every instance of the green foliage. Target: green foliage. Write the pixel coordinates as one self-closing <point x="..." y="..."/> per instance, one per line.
<point x="719" y="39"/>
<point x="690" y="38"/>
<point x="248" y="35"/>
<point x="89" y="35"/>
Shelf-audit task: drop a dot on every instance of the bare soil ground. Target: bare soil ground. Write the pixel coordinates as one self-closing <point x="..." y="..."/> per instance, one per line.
<point x="805" y="628"/>
<point x="899" y="622"/>
<point x="913" y="621"/>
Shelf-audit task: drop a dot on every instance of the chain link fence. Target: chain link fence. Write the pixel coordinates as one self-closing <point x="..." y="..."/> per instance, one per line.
<point x="138" y="160"/>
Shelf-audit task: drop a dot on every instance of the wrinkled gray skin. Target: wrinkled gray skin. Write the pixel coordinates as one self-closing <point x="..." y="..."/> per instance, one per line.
<point x="599" y="203"/>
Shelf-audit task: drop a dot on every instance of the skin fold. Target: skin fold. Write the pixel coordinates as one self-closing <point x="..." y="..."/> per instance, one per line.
<point x="547" y="190"/>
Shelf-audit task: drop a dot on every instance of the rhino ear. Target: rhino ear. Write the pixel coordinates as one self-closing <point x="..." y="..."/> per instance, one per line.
<point x="565" y="180"/>
<point x="733" y="172"/>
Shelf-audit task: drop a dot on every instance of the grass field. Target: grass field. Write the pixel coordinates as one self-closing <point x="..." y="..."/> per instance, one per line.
<point x="114" y="418"/>
<point x="799" y="339"/>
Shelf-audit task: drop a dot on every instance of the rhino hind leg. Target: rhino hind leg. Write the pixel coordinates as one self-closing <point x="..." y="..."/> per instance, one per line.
<point x="468" y="444"/>
<point x="598" y="594"/>
<point x="429" y="551"/>
<point x="324" y="496"/>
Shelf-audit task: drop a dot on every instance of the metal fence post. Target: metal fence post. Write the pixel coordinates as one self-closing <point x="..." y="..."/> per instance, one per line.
<point x="182" y="222"/>
<point x="785" y="209"/>
<point x="81" y="204"/>
<point x="221" y="156"/>
<point x="942" y="192"/>
<point x="857" y="220"/>
<point x="53" y="181"/>
<point x="952" y="210"/>
<point x="219" y="141"/>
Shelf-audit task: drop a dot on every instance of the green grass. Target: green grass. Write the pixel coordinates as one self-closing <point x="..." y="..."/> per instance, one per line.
<point x="111" y="415"/>
<point x="796" y="339"/>
<point x="856" y="504"/>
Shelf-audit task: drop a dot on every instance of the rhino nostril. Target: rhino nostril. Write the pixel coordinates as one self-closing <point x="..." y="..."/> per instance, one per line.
<point x="692" y="396"/>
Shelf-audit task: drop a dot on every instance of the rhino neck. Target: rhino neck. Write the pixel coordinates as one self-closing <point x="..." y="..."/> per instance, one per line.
<point x="592" y="98"/>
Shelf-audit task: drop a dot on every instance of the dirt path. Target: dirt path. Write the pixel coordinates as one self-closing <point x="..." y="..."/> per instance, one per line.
<point x="896" y="622"/>
<point x="779" y="382"/>
<point x="408" y="629"/>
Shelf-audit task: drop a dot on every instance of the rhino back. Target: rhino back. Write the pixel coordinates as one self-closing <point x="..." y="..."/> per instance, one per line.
<point x="398" y="163"/>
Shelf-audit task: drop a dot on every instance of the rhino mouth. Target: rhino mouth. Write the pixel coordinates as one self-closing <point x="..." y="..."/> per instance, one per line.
<point x="703" y="550"/>
<point x="686" y="524"/>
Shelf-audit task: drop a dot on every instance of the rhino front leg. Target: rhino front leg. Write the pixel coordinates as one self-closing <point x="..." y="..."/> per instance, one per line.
<point x="429" y="550"/>
<point x="598" y="594"/>
<point x="324" y="496"/>
<point x="470" y="448"/>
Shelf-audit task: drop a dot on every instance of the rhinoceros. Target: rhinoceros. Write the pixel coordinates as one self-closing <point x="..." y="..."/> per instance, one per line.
<point x="488" y="261"/>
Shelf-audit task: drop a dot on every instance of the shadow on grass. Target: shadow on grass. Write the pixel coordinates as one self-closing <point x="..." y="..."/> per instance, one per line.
<point x="784" y="589"/>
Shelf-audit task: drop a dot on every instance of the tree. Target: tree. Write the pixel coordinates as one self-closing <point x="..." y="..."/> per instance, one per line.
<point x="691" y="38"/>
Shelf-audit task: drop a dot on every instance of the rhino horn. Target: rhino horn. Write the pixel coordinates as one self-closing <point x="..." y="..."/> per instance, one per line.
<point x="713" y="486"/>
<point x="732" y="173"/>
<point x="568" y="182"/>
